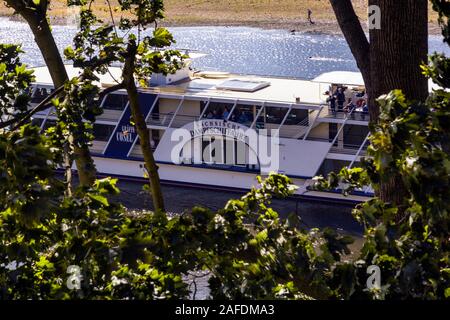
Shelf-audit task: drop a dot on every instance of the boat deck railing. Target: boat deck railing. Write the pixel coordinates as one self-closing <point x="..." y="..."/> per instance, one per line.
<point x="349" y="150"/>
<point x="294" y="131"/>
<point x="160" y="119"/>
<point x="356" y="115"/>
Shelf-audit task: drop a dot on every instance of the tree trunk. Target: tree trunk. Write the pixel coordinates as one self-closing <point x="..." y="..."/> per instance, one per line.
<point x="38" y="23"/>
<point x="394" y="53"/>
<point x="144" y="137"/>
<point x="397" y="50"/>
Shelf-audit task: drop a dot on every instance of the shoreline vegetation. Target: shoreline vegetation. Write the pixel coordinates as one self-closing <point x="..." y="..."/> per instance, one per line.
<point x="290" y="15"/>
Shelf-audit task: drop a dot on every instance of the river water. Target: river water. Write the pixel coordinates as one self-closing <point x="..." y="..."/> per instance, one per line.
<point x="233" y="49"/>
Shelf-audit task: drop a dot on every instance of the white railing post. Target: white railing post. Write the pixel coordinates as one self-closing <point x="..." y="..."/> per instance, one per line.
<point x="204" y="110"/>
<point x="232" y="109"/>
<point x="263" y="105"/>
<point x="286" y="116"/>
<point x="359" y="151"/>
<point x="311" y="126"/>
<point x="176" y="112"/>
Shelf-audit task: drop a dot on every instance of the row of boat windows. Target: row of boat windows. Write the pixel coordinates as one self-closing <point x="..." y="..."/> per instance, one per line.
<point x="112" y="101"/>
<point x="103" y="132"/>
<point x="244" y="114"/>
<point x="40" y="94"/>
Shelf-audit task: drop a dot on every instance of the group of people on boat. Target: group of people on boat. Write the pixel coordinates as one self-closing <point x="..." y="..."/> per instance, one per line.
<point x="236" y="116"/>
<point x="341" y="101"/>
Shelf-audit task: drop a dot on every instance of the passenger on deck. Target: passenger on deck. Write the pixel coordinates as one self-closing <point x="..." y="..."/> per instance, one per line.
<point x="246" y="117"/>
<point x="217" y="114"/>
<point x="236" y="115"/>
<point x="365" y="110"/>
<point x="340" y="97"/>
<point x="331" y="100"/>
<point x="210" y="115"/>
<point x="350" y="108"/>
<point x="359" y="103"/>
<point x="226" y="113"/>
<point x="243" y="118"/>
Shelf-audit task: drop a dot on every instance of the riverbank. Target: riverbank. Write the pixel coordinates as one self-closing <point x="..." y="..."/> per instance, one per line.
<point x="288" y="14"/>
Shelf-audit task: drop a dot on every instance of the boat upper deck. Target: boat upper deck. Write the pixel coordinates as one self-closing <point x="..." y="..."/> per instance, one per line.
<point x="287" y="91"/>
<point x="278" y="91"/>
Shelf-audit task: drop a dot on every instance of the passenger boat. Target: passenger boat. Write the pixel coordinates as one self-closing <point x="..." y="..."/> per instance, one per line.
<point x="217" y="113"/>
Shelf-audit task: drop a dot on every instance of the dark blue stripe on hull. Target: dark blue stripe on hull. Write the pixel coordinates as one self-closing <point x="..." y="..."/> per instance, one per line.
<point x="125" y="135"/>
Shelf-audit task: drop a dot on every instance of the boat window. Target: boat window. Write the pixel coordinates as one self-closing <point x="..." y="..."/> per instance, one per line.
<point x="260" y="122"/>
<point x="245" y="114"/>
<point x="218" y="110"/>
<point x="297" y="117"/>
<point x="275" y="115"/>
<point x="39" y="95"/>
<point x="102" y="132"/>
<point x="243" y="85"/>
<point x="354" y="136"/>
<point x="203" y="106"/>
<point x="115" y="102"/>
<point x="333" y="130"/>
<point x="155" y="137"/>
<point x="206" y="150"/>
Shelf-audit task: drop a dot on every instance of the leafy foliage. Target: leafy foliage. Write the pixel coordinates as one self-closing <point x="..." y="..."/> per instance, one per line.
<point x="14" y="83"/>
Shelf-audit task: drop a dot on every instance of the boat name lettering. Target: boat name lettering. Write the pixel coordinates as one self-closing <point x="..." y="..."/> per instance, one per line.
<point x="127" y="134"/>
<point x="221" y="128"/>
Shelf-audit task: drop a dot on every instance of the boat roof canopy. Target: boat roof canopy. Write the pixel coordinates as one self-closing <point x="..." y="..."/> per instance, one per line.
<point x="251" y="88"/>
<point x="353" y="78"/>
<point x="341" y="77"/>
<point x="43" y="77"/>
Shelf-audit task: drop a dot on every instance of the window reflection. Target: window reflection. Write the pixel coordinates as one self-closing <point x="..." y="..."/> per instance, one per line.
<point x="297" y="117"/>
<point x="102" y="132"/>
<point x="40" y="94"/>
<point x="218" y="110"/>
<point x="244" y="114"/>
<point x="275" y="115"/>
<point x="115" y="102"/>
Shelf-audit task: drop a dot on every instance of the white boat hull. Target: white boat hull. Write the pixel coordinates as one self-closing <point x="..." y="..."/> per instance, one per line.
<point x="209" y="178"/>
